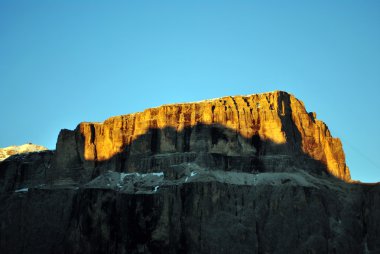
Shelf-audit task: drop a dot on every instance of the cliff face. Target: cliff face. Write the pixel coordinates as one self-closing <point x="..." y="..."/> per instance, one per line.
<point x="193" y="211"/>
<point x="243" y="174"/>
<point x="259" y="126"/>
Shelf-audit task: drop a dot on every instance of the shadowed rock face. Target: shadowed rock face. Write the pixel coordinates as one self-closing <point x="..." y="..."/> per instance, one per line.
<point x="254" y="174"/>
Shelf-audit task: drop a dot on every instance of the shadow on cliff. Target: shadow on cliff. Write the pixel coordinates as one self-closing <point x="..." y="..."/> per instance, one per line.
<point x="211" y="146"/>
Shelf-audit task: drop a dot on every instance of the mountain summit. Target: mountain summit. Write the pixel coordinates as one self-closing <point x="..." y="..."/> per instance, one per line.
<point x="25" y="148"/>
<point x="238" y="174"/>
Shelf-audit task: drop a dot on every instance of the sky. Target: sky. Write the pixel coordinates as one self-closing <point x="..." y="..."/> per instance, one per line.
<point x="65" y="62"/>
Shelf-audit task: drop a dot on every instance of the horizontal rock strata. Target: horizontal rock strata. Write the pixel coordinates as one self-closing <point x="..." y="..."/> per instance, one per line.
<point x="253" y="127"/>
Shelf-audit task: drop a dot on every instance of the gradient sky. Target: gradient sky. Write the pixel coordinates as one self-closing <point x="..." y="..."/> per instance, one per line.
<point x="63" y="62"/>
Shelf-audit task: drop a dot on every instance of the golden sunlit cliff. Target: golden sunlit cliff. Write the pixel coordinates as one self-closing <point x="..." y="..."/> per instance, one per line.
<point x="258" y="125"/>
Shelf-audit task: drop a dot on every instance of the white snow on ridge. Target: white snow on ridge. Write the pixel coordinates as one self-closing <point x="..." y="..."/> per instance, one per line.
<point x="193" y="173"/>
<point x="22" y="190"/>
<point x="123" y="175"/>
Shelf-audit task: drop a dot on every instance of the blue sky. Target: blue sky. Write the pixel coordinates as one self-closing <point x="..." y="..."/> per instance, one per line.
<point x="63" y="62"/>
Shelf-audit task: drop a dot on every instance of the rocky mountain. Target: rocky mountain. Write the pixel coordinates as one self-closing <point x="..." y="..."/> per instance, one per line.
<point x="242" y="174"/>
<point x="25" y="148"/>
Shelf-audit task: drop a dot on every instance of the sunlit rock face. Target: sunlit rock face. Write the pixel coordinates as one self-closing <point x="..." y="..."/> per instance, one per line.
<point x="264" y="130"/>
<point x="22" y="149"/>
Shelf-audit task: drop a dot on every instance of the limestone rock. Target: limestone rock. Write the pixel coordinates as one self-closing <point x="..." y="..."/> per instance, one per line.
<point x="271" y="126"/>
<point x="25" y="170"/>
<point x="242" y="174"/>
<point x="22" y="149"/>
<point x="201" y="212"/>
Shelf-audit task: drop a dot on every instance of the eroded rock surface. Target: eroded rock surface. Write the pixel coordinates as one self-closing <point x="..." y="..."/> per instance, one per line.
<point x="243" y="174"/>
<point x="265" y="128"/>
<point x="193" y="210"/>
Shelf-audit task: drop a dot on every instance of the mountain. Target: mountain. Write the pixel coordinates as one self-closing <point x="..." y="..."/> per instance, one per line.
<point x="238" y="174"/>
<point x="25" y="148"/>
<point x="258" y="132"/>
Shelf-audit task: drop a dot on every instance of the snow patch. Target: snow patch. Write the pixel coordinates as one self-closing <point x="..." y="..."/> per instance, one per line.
<point x="193" y="173"/>
<point x="156" y="188"/>
<point x="123" y="175"/>
<point x="22" y="190"/>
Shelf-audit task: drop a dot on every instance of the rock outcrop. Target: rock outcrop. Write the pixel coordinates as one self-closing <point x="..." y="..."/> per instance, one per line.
<point x="22" y="149"/>
<point x="243" y="174"/>
<point x="274" y="126"/>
